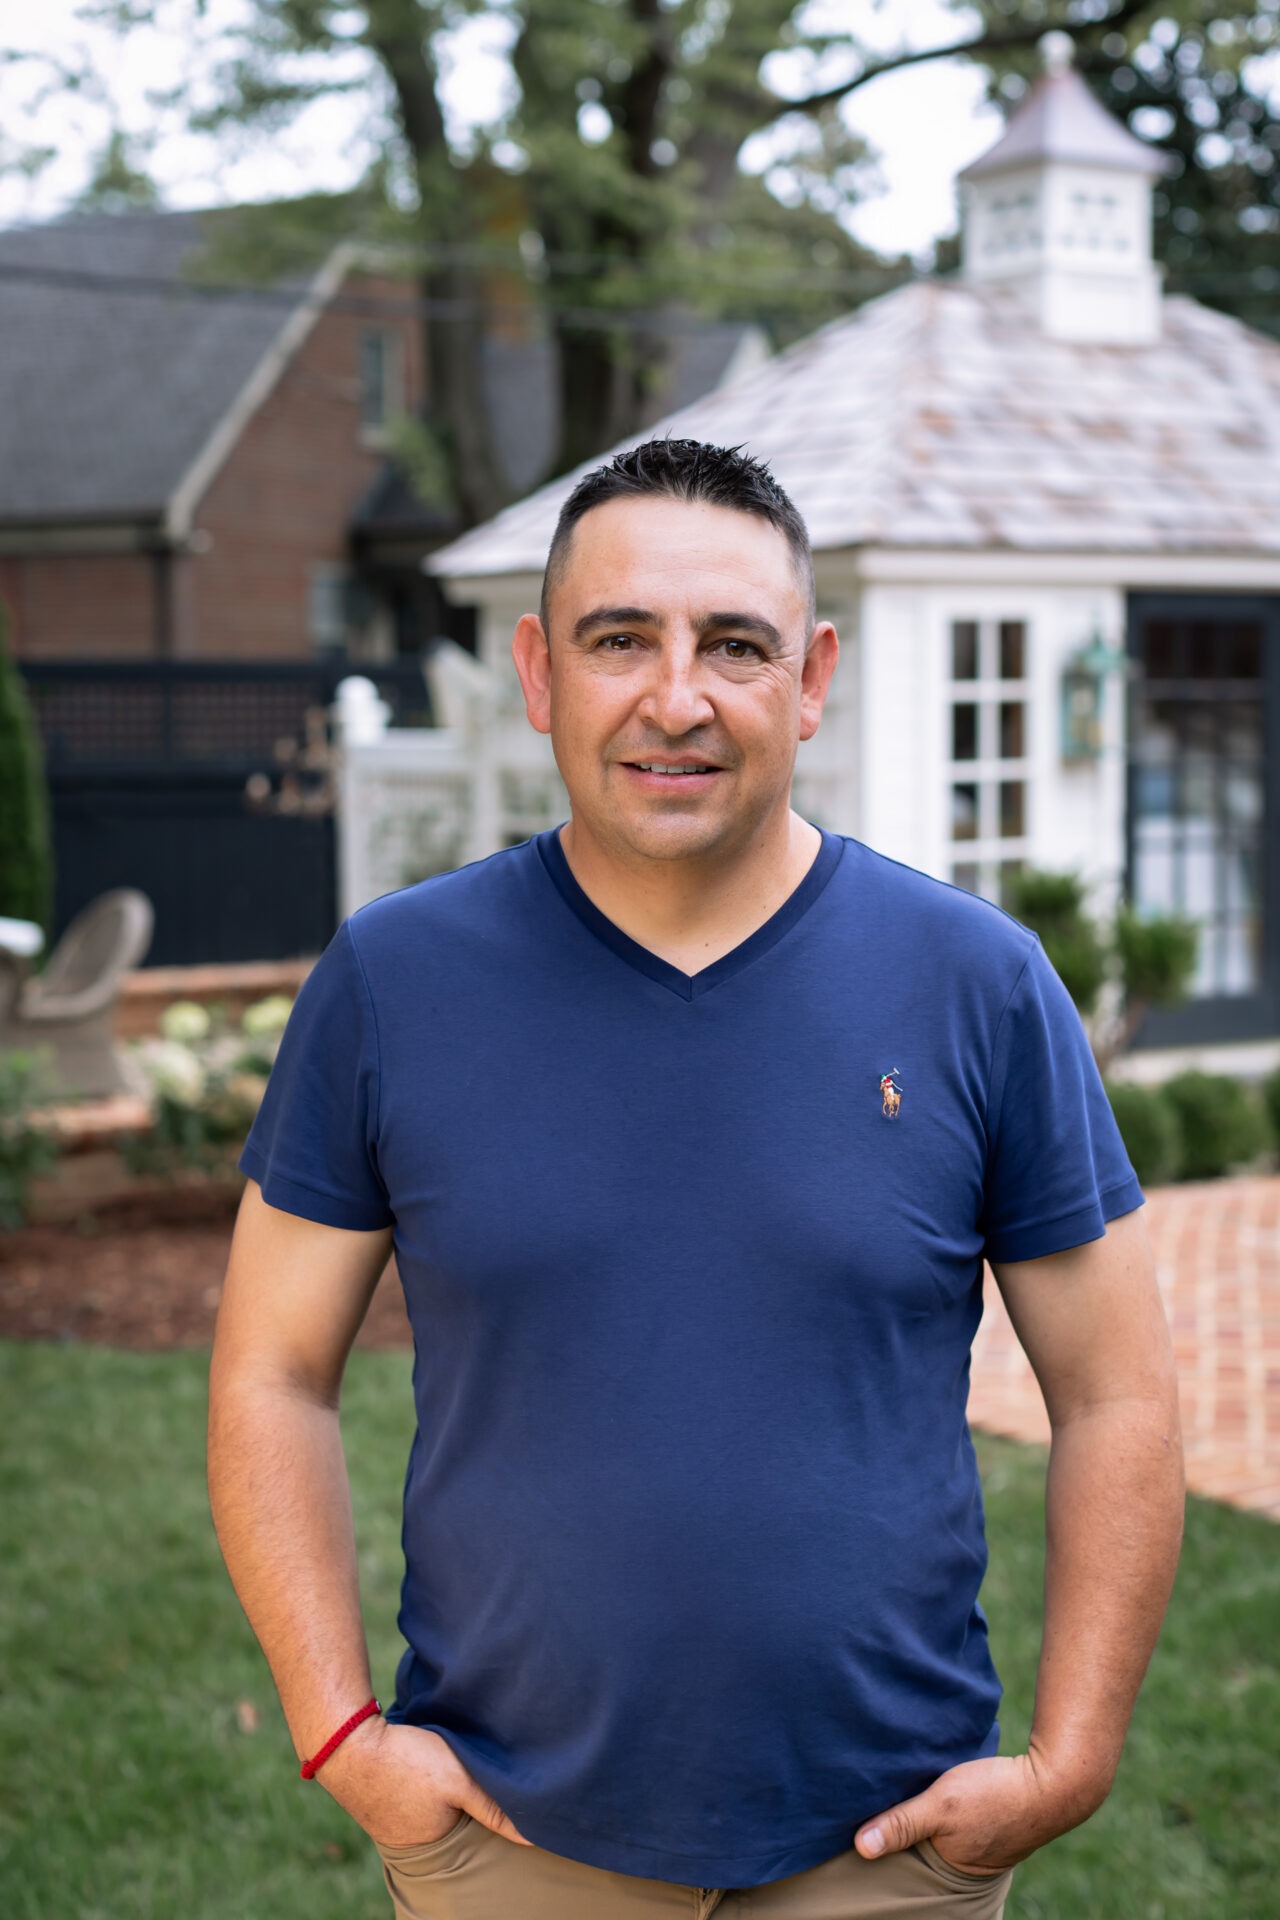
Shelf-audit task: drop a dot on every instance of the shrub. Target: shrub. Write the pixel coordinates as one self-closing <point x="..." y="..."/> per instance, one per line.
<point x="26" y="1149"/>
<point x="1271" y="1101"/>
<point x="1052" y="905"/>
<point x="1221" y="1124"/>
<point x="26" y="858"/>
<point x="1157" y="957"/>
<point x="205" y="1080"/>
<point x="1150" y="959"/>
<point x="1149" y="1127"/>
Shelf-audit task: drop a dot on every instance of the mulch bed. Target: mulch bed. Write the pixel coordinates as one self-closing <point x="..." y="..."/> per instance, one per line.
<point x="142" y="1271"/>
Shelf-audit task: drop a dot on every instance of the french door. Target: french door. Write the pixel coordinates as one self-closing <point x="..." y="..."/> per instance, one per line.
<point x="1203" y="806"/>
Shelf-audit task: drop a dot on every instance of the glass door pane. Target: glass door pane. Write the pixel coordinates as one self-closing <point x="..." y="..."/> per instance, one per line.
<point x="1198" y="790"/>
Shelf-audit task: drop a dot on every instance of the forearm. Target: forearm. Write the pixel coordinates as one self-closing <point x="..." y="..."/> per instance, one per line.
<point x="1113" y="1518"/>
<point x="282" y="1510"/>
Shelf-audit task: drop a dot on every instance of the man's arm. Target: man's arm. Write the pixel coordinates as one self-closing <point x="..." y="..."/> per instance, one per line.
<point x="295" y="1295"/>
<point x="1093" y="1327"/>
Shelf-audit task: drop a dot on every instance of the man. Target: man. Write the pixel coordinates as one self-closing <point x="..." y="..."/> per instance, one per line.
<point x="692" y="1522"/>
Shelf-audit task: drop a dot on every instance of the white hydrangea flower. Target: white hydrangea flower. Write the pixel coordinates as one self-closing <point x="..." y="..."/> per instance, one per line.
<point x="265" y="1019"/>
<point x="185" y="1020"/>
<point x="175" y="1072"/>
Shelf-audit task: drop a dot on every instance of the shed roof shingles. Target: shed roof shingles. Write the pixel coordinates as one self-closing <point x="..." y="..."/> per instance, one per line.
<point x="939" y="416"/>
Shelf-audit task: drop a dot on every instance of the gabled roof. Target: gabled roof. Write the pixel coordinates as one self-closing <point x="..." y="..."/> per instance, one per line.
<point x="110" y="393"/>
<point x="940" y="416"/>
<point x="1061" y="120"/>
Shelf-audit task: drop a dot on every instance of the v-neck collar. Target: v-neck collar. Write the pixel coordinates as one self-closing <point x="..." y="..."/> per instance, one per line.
<point x="689" y="986"/>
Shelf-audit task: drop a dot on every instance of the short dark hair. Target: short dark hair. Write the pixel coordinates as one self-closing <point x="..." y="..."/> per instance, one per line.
<point x="684" y="470"/>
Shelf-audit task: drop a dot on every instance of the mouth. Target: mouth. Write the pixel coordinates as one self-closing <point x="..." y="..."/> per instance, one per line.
<point x="671" y="771"/>
<point x="672" y="776"/>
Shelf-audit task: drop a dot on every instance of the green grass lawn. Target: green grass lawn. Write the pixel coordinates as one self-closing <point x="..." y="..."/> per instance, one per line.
<point x="130" y="1788"/>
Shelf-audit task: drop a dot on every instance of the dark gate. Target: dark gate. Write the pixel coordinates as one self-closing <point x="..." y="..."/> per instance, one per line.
<point x="147" y="766"/>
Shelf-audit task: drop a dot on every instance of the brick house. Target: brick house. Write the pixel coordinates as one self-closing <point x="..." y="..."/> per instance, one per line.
<point x="181" y="464"/>
<point x="201" y="531"/>
<point x="198" y="471"/>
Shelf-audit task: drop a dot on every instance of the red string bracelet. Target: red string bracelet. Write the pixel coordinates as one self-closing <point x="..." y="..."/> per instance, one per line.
<point x="311" y="1767"/>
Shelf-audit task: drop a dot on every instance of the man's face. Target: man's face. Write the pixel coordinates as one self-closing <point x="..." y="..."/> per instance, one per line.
<point x="677" y="678"/>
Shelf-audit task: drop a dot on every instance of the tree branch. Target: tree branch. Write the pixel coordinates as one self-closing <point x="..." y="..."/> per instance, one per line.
<point x="996" y="40"/>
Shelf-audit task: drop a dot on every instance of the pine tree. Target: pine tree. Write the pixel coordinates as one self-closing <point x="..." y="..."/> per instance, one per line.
<point x="26" y="856"/>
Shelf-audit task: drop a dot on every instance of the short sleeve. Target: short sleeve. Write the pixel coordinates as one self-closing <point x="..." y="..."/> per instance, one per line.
<point x="313" y="1146"/>
<point x="1057" y="1170"/>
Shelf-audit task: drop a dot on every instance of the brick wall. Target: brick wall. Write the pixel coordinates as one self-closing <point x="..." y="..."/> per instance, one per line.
<point x="285" y="498"/>
<point x="281" y="502"/>
<point x="85" y="606"/>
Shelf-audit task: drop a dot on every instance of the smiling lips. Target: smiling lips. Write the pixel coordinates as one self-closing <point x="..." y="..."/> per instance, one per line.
<point x="664" y="776"/>
<point x="658" y="766"/>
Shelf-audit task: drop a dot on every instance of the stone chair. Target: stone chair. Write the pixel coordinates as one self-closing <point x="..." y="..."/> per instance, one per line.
<point x="70" y="1007"/>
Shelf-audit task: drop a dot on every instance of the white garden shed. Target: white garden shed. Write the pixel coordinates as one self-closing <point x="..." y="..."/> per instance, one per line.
<point x="1045" y="508"/>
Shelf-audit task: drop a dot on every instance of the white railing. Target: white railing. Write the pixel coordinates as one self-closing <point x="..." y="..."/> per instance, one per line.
<point x="415" y="801"/>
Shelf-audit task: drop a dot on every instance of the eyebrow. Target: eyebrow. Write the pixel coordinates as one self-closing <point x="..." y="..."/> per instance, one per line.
<point x="745" y="623"/>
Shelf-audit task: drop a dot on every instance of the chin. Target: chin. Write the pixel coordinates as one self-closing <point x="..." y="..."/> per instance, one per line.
<point x="672" y="839"/>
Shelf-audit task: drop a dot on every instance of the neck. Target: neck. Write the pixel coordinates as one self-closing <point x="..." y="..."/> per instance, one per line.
<point x="692" y="912"/>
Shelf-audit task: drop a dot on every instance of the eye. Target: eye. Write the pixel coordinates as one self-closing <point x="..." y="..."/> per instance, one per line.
<point x="740" y="649"/>
<point x="615" y="642"/>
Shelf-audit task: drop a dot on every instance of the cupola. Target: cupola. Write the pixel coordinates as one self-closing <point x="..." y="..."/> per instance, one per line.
<point x="1058" y="212"/>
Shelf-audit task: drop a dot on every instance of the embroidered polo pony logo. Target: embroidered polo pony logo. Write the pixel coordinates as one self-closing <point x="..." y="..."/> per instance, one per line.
<point x="890" y="1094"/>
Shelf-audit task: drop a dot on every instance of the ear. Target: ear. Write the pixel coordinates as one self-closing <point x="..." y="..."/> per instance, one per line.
<point x="531" y="651"/>
<point x="815" y="678"/>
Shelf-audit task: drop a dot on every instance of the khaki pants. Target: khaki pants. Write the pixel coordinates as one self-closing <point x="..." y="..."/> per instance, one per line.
<point x="474" y="1874"/>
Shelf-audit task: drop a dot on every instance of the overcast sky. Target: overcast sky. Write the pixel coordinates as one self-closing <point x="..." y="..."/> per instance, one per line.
<point x="926" y="123"/>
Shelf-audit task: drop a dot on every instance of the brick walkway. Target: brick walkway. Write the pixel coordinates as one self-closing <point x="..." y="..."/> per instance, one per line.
<point x="1218" y="1256"/>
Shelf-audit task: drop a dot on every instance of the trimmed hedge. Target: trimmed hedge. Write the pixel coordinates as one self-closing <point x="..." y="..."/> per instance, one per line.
<point x="1221" y="1124"/>
<point x="1271" y="1101"/>
<point x="1149" y="1127"/>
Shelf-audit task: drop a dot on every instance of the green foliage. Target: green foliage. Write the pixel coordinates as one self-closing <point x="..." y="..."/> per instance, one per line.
<point x="1151" y="958"/>
<point x="120" y="182"/>
<point x="605" y="203"/>
<point x="1149" y="1127"/>
<point x="26" y="855"/>
<point x="423" y="459"/>
<point x="1271" y="1101"/>
<point x="26" y="1148"/>
<point x="1221" y="1124"/>
<point x="1157" y="957"/>
<point x="1052" y="905"/>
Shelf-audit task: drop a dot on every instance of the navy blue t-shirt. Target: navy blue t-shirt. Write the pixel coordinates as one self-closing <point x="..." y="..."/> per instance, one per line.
<point x="693" y="1529"/>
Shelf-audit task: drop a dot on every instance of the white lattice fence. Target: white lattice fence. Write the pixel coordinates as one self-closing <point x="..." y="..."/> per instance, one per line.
<point x="417" y="801"/>
<point x="406" y="808"/>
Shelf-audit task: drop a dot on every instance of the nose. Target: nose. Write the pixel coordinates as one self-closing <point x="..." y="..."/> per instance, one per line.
<point x="676" y="699"/>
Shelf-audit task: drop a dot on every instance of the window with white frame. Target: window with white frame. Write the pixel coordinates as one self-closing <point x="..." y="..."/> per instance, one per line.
<point x="328" y="587"/>
<point x="381" y="382"/>
<point x="988" y="743"/>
